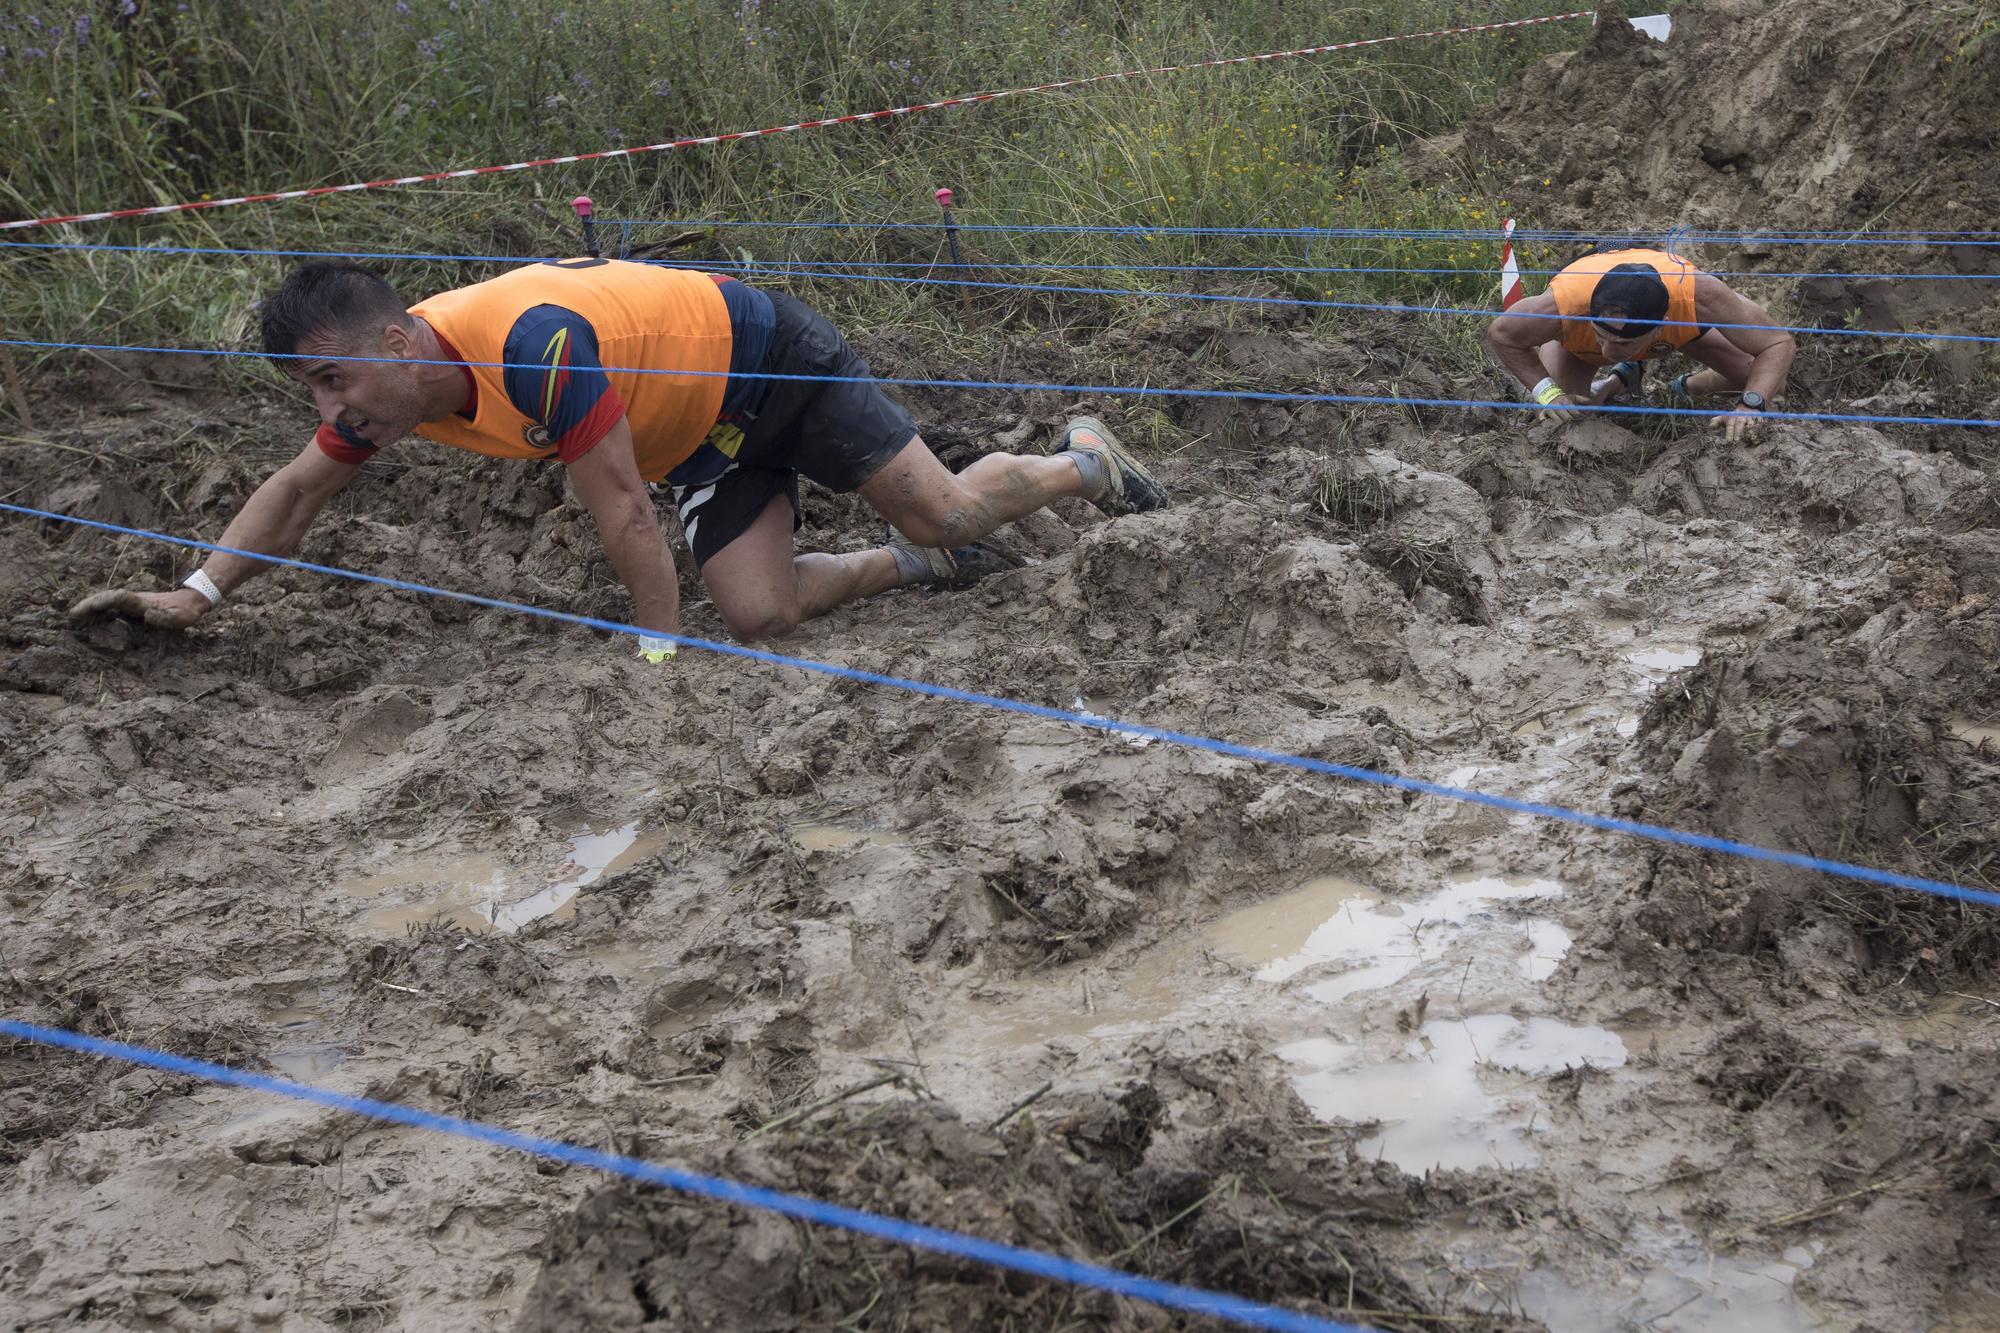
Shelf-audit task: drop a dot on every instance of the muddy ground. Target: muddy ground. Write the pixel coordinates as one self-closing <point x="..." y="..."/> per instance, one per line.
<point x="1394" y="1059"/>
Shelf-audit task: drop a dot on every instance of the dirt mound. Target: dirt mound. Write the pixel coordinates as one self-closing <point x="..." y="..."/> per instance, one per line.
<point x="1804" y="114"/>
<point x="1200" y="1172"/>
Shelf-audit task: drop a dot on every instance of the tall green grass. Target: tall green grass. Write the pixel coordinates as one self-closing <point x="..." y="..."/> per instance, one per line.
<point x="129" y="102"/>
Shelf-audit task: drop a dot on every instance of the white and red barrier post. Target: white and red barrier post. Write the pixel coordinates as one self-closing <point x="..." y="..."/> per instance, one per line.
<point x="1510" y="272"/>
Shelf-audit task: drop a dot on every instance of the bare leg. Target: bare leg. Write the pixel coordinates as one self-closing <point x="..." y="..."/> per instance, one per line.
<point x="1728" y="365"/>
<point x="933" y="506"/>
<point x="763" y="590"/>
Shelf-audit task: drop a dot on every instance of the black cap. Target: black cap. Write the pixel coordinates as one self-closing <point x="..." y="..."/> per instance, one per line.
<point x="1637" y="292"/>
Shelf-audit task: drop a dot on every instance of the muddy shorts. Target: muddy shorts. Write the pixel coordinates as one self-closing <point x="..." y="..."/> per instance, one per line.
<point x="838" y="432"/>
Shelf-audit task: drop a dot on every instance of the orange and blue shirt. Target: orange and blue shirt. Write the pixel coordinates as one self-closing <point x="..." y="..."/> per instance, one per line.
<point x="555" y="353"/>
<point x="1573" y="286"/>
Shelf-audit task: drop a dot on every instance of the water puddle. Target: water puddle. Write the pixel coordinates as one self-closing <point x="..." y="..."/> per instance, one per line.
<point x="837" y="837"/>
<point x="1431" y="1099"/>
<point x="1336" y="936"/>
<point x="1366" y="942"/>
<point x="480" y="894"/>
<point x="1688" y="1289"/>
<point x="1548" y="945"/>
<point x="1974" y="734"/>
<point x="1329" y="941"/>
<point x="308" y="1064"/>
<point x="293" y="1020"/>
<point x="1656" y="663"/>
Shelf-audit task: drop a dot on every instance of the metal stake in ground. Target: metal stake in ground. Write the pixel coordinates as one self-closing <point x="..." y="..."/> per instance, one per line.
<point x="958" y="265"/>
<point x="585" y="210"/>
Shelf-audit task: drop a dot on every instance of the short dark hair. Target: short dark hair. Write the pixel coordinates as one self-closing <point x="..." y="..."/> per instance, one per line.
<point x="1638" y="291"/>
<point x="326" y="298"/>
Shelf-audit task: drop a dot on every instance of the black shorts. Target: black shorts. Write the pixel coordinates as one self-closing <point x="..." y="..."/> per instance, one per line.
<point x="838" y="432"/>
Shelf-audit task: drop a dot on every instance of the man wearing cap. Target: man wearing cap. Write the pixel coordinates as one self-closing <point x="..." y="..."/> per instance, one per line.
<point x="629" y="375"/>
<point x="1623" y="308"/>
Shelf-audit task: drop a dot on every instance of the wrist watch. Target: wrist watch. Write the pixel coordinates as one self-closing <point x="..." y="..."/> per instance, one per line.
<point x="1752" y="400"/>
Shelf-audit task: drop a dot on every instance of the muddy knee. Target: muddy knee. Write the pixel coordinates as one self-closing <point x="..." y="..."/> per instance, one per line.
<point x="958" y="527"/>
<point x="746" y="627"/>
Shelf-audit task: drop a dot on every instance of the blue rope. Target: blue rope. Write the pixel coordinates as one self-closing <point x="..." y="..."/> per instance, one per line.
<point x="1396" y="309"/>
<point x="1653" y="832"/>
<point x="1219" y="1305"/>
<point x="1879" y="238"/>
<point x="1255" y="395"/>
<point x="781" y="265"/>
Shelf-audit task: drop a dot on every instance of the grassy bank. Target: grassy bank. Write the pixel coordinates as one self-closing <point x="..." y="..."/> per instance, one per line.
<point x="137" y="101"/>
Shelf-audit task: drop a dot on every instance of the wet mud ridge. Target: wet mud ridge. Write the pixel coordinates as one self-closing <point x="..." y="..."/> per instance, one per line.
<point x="1393" y="1059"/>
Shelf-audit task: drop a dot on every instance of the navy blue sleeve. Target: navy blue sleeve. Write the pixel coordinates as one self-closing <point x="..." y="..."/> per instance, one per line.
<point x="555" y="379"/>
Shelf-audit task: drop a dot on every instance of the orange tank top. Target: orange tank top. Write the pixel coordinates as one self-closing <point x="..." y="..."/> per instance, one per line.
<point x="1572" y="288"/>
<point x="644" y="316"/>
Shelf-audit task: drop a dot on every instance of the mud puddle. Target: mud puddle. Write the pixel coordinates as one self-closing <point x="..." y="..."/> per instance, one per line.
<point x="487" y="894"/>
<point x="1449" y="1096"/>
<point x="1975" y="733"/>
<point x="1338" y="976"/>
<point x="1685" y="1288"/>
<point x="830" y="837"/>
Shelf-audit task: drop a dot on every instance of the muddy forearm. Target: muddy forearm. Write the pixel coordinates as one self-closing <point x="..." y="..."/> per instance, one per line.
<point x="1771" y="369"/>
<point x="273" y="521"/>
<point x="631" y="537"/>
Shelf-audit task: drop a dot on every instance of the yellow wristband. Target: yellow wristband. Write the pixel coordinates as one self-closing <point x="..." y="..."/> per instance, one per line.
<point x="657" y="651"/>
<point x="1547" y="392"/>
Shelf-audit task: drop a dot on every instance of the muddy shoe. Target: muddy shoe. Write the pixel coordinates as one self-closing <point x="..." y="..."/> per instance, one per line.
<point x="979" y="561"/>
<point x="1113" y="480"/>
<point x="922" y="564"/>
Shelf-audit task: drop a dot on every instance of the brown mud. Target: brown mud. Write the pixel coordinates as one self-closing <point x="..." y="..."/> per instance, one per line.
<point x="1391" y="1059"/>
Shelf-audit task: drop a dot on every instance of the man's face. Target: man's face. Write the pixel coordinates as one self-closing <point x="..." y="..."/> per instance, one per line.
<point x="1616" y="348"/>
<point x="379" y="400"/>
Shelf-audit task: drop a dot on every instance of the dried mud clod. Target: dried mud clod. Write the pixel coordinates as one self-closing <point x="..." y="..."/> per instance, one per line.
<point x="1827" y="741"/>
<point x="1255" y="1208"/>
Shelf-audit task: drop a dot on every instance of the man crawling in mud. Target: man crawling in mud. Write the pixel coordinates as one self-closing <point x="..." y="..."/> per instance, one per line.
<point x="1625" y="307"/>
<point x="631" y="374"/>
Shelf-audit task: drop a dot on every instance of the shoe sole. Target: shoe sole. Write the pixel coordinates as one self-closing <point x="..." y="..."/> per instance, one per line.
<point x="1134" y="490"/>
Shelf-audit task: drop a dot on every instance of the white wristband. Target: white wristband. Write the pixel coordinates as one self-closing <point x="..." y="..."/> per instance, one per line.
<point x="203" y="584"/>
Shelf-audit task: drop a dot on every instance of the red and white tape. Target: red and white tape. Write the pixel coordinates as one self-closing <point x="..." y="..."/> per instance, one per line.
<point x="968" y="100"/>
<point x="1510" y="271"/>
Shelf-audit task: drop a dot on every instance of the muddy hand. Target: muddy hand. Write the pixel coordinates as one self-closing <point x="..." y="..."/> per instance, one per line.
<point x="1742" y="424"/>
<point x="162" y="610"/>
<point x="1562" y="408"/>
<point x="1556" y="405"/>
